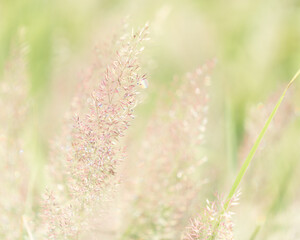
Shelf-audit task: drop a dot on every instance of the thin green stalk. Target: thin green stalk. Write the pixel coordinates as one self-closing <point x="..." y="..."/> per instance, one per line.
<point x="275" y="207"/>
<point x="250" y="156"/>
<point x="27" y="228"/>
<point x="255" y="233"/>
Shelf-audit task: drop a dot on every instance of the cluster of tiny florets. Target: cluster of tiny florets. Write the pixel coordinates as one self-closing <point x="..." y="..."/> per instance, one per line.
<point x="102" y="113"/>
<point x="213" y="222"/>
<point x="166" y="183"/>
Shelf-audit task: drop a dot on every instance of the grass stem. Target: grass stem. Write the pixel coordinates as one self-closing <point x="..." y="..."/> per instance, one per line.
<point x="250" y="157"/>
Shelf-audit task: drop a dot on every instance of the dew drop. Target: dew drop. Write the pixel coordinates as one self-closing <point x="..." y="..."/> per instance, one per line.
<point x="144" y="83"/>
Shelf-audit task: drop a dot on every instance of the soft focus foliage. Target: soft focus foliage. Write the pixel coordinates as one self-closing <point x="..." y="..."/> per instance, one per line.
<point x="161" y="193"/>
<point x="70" y="169"/>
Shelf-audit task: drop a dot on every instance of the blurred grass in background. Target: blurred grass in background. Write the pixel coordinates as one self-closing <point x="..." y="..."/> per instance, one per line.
<point x="256" y="44"/>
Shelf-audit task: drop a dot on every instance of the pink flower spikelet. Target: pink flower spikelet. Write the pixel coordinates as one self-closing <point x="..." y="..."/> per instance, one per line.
<point x="102" y="114"/>
<point x="169" y="162"/>
<point x="203" y="227"/>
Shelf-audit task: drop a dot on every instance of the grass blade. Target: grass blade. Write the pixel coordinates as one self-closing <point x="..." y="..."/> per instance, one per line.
<point x="250" y="156"/>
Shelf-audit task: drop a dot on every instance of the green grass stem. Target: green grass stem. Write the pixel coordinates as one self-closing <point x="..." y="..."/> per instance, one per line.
<point x="250" y="157"/>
